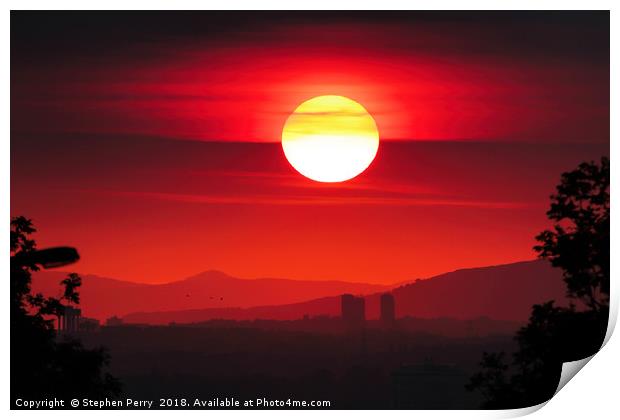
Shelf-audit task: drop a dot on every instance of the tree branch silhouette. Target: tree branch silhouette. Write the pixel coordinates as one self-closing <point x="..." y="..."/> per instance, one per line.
<point x="44" y="365"/>
<point x="578" y="243"/>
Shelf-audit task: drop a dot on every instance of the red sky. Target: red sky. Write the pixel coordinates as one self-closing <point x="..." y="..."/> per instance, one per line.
<point x="151" y="142"/>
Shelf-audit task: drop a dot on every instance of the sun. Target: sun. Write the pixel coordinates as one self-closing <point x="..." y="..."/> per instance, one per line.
<point x="330" y="138"/>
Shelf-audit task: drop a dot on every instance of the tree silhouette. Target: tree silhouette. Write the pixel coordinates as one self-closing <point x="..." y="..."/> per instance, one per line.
<point x="579" y="241"/>
<point x="579" y="245"/>
<point x="42" y="365"/>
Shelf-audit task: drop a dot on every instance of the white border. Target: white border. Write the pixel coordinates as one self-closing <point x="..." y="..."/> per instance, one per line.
<point x="593" y="394"/>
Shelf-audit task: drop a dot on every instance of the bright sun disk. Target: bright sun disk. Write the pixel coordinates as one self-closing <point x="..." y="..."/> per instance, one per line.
<point x="330" y="138"/>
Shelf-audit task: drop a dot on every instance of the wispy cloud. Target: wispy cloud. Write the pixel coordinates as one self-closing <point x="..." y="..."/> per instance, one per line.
<point x="295" y="181"/>
<point x="320" y="200"/>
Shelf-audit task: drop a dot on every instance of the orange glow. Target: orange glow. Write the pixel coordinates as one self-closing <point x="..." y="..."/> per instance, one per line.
<point x="330" y="138"/>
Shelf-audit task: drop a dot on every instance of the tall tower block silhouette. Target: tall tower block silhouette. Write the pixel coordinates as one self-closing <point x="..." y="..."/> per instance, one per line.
<point x="353" y="309"/>
<point x="388" y="309"/>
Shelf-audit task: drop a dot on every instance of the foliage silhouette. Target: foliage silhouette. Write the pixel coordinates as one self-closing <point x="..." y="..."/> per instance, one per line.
<point x="42" y="364"/>
<point x="579" y="241"/>
<point x="579" y="245"/>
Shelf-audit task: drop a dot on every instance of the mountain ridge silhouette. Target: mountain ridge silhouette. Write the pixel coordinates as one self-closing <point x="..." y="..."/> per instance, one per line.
<point x="104" y="297"/>
<point x="503" y="292"/>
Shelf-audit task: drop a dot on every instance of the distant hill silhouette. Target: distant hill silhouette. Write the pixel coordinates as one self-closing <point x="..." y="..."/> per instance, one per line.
<point x="103" y="297"/>
<point x="503" y="292"/>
